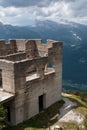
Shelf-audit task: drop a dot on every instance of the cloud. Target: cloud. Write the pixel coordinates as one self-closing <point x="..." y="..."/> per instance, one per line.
<point x="24" y="12"/>
<point x="16" y="16"/>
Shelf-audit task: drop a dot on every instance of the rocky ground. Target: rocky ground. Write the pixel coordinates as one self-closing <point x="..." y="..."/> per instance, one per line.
<point x="68" y="113"/>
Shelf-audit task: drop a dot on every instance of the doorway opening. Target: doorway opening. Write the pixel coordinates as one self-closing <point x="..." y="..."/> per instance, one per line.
<point x="42" y="102"/>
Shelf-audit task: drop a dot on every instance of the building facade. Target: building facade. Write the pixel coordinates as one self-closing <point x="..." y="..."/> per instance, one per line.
<point x="30" y="77"/>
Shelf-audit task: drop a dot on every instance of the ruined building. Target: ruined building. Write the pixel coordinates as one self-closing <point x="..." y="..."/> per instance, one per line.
<point x="30" y="77"/>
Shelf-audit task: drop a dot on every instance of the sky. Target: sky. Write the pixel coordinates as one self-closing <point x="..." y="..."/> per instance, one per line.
<point x="26" y="12"/>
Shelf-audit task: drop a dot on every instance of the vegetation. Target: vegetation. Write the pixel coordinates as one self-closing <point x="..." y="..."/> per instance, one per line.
<point x="79" y="97"/>
<point x="85" y="122"/>
<point x="69" y="126"/>
<point x="2" y="117"/>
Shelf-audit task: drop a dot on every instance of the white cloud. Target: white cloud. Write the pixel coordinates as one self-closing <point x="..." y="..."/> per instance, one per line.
<point x="16" y="16"/>
<point x="25" y="12"/>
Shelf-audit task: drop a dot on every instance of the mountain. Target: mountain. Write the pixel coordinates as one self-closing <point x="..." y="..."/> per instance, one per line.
<point x="12" y="32"/>
<point x="74" y="38"/>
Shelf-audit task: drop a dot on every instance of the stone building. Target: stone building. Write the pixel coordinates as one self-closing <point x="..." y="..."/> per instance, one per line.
<point x="30" y="77"/>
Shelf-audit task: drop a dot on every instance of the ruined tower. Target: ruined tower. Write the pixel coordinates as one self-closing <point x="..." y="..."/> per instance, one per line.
<point x="30" y="77"/>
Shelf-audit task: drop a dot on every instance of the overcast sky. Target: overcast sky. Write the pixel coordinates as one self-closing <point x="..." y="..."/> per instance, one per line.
<point x="25" y="12"/>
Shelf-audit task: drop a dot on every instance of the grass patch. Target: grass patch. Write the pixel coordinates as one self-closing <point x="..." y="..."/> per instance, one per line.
<point x="79" y="97"/>
<point x="81" y="110"/>
<point x="44" y="119"/>
<point x="69" y="126"/>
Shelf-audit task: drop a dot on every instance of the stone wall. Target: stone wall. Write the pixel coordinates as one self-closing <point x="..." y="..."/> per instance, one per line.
<point x="14" y="57"/>
<point x="8" y="79"/>
<point x="26" y="74"/>
<point x="17" y="45"/>
<point x="9" y="48"/>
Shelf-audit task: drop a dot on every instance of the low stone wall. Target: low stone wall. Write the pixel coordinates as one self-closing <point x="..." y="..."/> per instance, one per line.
<point x="14" y="57"/>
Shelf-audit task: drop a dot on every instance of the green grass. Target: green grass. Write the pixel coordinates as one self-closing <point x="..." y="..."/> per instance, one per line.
<point x="44" y="119"/>
<point x="70" y="126"/>
<point x="79" y="97"/>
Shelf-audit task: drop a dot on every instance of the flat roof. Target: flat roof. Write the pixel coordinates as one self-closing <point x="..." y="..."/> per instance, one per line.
<point x="5" y="97"/>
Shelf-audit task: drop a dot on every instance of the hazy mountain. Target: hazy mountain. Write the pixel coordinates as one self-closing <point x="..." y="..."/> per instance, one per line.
<point x="71" y="34"/>
<point x="9" y="31"/>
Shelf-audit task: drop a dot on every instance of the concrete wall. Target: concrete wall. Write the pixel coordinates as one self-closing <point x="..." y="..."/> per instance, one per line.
<point x="27" y="92"/>
<point x="9" y="48"/>
<point x="26" y="100"/>
<point x="28" y="77"/>
<point x="8" y="79"/>
<point x="15" y="57"/>
<point x="18" y="45"/>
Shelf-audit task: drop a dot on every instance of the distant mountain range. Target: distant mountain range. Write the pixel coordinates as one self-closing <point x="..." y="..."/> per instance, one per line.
<point x="74" y="37"/>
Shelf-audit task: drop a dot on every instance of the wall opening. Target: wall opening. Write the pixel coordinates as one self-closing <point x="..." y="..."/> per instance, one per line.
<point x="31" y="73"/>
<point x="0" y="78"/>
<point x="42" y="102"/>
<point x="49" y="65"/>
<point x="49" y="68"/>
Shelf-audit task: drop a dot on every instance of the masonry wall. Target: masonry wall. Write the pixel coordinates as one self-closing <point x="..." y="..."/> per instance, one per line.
<point x="27" y="75"/>
<point x="26" y="102"/>
<point x="55" y="57"/>
<point x="27" y="92"/>
<point x="8" y="79"/>
<point x="14" y="57"/>
<point x="14" y="46"/>
<point x="9" y="48"/>
<point x="21" y="103"/>
<point x="41" y="87"/>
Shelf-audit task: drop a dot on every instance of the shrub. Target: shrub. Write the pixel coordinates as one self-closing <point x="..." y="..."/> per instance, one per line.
<point x="2" y="117"/>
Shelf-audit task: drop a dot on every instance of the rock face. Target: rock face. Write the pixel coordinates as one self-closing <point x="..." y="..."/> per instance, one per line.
<point x="25" y="73"/>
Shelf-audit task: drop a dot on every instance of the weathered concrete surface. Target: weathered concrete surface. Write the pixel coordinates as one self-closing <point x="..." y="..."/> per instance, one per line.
<point x="5" y="97"/>
<point x="25" y="72"/>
